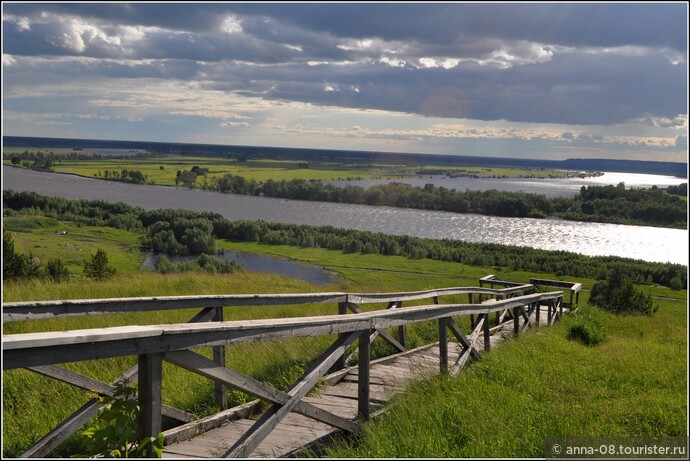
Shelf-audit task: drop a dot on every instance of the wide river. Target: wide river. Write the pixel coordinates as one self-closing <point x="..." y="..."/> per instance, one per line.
<point x="594" y="239"/>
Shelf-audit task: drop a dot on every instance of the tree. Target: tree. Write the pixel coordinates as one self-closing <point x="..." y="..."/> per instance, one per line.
<point x="57" y="270"/>
<point x="97" y="267"/>
<point x="617" y="294"/>
<point x="16" y="265"/>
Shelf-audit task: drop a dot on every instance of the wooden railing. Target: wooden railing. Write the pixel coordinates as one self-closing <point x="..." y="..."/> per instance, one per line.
<point x="41" y="352"/>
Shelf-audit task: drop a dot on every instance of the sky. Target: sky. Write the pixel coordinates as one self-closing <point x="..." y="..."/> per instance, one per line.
<point x="521" y="80"/>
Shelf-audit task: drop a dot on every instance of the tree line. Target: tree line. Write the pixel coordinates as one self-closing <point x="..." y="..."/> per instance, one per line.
<point x="609" y="204"/>
<point x="189" y="232"/>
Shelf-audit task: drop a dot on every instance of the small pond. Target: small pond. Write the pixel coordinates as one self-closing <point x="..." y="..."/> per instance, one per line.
<point x="310" y="273"/>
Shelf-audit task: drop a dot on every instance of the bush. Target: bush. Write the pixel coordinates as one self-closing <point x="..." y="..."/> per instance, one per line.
<point x="113" y="432"/>
<point x="97" y="267"/>
<point x="588" y="328"/>
<point x="617" y="294"/>
<point x="56" y="270"/>
<point x="16" y="265"/>
<point x="676" y="284"/>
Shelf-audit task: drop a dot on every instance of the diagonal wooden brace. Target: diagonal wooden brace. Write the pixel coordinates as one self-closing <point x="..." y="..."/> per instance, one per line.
<point x="205" y="367"/>
<point x="269" y="420"/>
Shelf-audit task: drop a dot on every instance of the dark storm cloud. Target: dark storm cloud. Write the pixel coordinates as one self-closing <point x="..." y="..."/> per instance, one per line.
<point x="518" y="62"/>
<point x="613" y="24"/>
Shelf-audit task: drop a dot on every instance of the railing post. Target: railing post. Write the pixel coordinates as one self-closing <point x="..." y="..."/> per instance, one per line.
<point x="487" y="333"/>
<point x="537" y="314"/>
<point x="363" y="369"/>
<point x="150" y="395"/>
<point x="401" y="329"/>
<point x="341" y="362"/>
<point x="443" y="343"/>
<point x="221" y="390"/>
<point x="516" y="320"/>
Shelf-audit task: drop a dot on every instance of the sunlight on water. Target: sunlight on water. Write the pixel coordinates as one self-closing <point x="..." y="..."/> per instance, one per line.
<point x="647" y="243"/>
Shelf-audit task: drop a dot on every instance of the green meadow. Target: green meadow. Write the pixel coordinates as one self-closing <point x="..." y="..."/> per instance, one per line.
<point x="163" y="170"/>
<point x="541" y="384"/>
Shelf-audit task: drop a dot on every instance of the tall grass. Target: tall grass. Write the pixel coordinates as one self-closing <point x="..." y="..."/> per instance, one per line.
<point x="542" y="385"/>
<point x="33" y="404"/>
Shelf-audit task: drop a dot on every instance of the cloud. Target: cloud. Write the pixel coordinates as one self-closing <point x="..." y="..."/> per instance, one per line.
<point x="621" y="67"/>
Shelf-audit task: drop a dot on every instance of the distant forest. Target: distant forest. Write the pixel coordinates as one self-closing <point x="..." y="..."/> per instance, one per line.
<point x="189" y="232"/>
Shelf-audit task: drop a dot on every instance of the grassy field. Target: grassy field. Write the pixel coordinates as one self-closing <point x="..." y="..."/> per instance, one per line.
<point x="47" y="238"/>
<point x="636" y="379"/>
<point x="163" y="170"/>
<point x="543" y="385"/>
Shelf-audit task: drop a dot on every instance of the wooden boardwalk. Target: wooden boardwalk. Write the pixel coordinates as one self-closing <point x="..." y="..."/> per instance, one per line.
<point x="297" y="433"/>
<point x="318" y="404"/>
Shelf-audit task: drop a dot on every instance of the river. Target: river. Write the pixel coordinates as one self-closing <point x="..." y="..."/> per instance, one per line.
<point x="559" y="187"/>
<point x="593" y="239"/>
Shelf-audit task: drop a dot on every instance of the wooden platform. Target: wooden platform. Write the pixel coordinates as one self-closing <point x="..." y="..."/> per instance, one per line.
<point x="296" y="432"/>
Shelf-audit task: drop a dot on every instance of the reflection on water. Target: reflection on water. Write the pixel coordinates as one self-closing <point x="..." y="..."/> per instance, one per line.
<point x="565" y="187"/>
<point x="259" y="263"/>
<point x="593" y="239"/>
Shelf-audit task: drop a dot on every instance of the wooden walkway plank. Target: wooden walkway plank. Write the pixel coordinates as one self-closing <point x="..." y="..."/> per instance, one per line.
<point x="387" y="378"/>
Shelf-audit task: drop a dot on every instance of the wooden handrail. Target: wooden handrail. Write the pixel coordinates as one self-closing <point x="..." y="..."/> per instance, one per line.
<point x="34" y="349"/>
<point x="34" y="310"/>
<point x="154" y="344"/>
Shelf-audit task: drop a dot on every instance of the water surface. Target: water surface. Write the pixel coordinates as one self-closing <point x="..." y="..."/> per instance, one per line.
<point x="593" y="239"/>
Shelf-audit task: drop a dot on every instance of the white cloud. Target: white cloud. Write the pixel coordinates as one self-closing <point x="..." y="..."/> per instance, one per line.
<point x="234" y="124"/>
<point x="8" y="60"/>
<point x="231" y="25"/>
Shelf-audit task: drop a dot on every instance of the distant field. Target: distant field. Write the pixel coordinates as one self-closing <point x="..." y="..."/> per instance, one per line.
<point x="163" y="170"/>
<point x="47" y="238"/>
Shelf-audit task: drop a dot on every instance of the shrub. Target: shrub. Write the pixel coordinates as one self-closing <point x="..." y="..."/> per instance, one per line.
<point x="617" y="294"/>
<point x="112" y="434"/>
<point x="56" y="270"/>
<point x="16" y="265"/>
<point x="587" y="327"/>
<point x="97" y="267"/>
<point x="676" y="284"/>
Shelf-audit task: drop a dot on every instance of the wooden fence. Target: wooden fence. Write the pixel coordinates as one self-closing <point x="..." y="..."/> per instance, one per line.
<point x="41" y="352"/>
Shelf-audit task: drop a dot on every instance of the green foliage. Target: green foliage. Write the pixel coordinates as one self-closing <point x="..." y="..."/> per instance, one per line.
<point x="204" y="263"/>
<point x="16" y="265"/>
<point x="97" y="267"/>
<point x="56" y="270"/>
<point x="112" y="433"/>
<point x="617" y="294"/>
<point x="587" y="327"/>
<point x="675" y="283"/>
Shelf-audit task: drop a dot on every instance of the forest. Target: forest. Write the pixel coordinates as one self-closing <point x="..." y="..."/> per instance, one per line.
<point x="607" y="204"/>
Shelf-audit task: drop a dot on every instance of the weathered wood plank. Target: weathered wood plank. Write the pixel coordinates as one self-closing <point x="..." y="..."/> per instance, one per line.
<point x="205" y="367"/>
<point x="58" y="435"/>
<point x="116" y="341"/>
<point x="363" y="365"/>
<point x="89" y="384"/>
<point x="150" y="395"/>
<point x="193" y="428"/>
<point x="50" y="309"/>
<point x="267" y="422"/>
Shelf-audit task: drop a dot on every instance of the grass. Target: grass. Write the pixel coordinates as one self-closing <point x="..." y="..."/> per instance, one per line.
<point x="543" y="385"/>
<point x="47" y="238"/>
<point x="635" y="378"/>
<point x="163" y="170"/>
